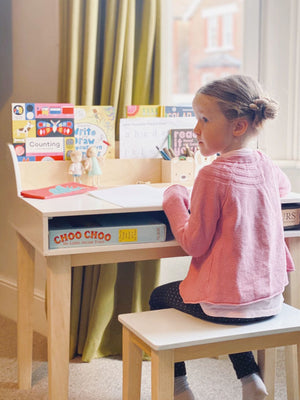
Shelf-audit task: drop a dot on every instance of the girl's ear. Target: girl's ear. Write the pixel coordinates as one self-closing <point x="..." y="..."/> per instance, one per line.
<point x="240" y="126"/>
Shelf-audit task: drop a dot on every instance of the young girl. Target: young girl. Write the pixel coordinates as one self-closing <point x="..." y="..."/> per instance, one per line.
<point x="231" y="225"/>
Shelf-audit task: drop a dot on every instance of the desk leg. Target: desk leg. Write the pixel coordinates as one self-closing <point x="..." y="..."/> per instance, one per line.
<point x="25" y="304"/>
<point x="292" y="293"/>
<point x="58" y="309"/>
<point x="292" y="297"/>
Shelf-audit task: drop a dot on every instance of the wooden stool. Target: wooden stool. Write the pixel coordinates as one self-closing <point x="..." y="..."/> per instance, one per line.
<point x="168" y="336"/>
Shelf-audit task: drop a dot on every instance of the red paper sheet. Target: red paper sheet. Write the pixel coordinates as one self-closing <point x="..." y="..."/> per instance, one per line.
<point x="64" y="189"/>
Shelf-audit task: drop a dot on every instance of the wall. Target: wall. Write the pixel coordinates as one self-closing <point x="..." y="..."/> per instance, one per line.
<point x="29" y="72"/>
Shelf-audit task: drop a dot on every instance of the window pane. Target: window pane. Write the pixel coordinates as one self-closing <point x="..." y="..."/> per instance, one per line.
<point x="207" y="44"/>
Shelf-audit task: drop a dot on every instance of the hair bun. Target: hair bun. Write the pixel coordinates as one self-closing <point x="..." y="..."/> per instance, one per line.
<point x="263" y="108"/>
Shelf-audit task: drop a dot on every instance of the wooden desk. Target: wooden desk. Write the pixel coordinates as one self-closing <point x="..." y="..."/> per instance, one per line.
<point x="30" y="220"/>
<point x="31" y="224"/>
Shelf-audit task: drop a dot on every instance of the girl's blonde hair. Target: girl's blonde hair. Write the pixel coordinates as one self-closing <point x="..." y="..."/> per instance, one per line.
<point x="241" y="96"/>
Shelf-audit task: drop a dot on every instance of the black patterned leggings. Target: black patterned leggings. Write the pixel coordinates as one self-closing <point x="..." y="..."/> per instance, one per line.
<point x="167" y="296"/>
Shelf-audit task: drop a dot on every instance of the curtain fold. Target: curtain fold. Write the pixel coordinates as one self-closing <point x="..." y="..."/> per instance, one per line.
<point x="99" y="295"/>
<point x="144" y="66"/>
<point x="89" y="51"/>
<point x="110" y="54"/>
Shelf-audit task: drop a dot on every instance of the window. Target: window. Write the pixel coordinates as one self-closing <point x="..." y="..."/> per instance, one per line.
<point x="279" y="72"/>
<point x="213" y="38"/>
<point x="212" y="33"/>
<point x="207" y="43"/>
<point x="227" y="31"/>
<point x="220" y="25"/>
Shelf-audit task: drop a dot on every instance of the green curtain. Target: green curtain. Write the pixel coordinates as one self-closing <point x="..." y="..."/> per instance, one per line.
<point x="110" y="54"/>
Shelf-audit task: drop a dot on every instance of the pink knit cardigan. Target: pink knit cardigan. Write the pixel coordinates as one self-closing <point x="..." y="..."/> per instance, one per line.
<point x="232" y="228"/>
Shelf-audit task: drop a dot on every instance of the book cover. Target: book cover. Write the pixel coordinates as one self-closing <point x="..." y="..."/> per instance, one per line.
<point x="43" y="131"/>
<point x="62" y="190"/>
<point x="105" y="229"/>
<point x="143" y="111"/>
<point x="95" y="126"/>
<point x="179" y="139"/>
<point x="177" y="111"/>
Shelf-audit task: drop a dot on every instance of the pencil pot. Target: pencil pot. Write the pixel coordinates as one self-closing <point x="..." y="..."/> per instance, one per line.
<point x="178" y="171"/>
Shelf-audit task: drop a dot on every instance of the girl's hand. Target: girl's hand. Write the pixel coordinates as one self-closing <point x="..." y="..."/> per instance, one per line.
<point x="176" y="194"/>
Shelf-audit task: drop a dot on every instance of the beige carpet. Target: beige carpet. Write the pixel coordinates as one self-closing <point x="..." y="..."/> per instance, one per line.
<point x="210" y="379"/>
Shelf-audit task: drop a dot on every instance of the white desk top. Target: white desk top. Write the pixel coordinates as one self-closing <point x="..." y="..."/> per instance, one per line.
<point x="87" y="204"/>
<point x="292" y="197"/>
<point x="81" y="204"/>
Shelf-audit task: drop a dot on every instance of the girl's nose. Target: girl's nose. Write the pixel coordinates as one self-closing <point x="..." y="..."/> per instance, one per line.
<point x="197" y="128"/>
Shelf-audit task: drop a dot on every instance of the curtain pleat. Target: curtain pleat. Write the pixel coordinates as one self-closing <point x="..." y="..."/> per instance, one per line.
<point x="109" y="55"/>
<point x="90" y="51"/>
<point x="108" y="60"/>
<point x="99" y="295"/>
<point x="159" y="83"/>
<point x="74" y="49"/>
<point x="76" y="290"/>
<point x="125" y="97"/>
<point x="143" y="73"/>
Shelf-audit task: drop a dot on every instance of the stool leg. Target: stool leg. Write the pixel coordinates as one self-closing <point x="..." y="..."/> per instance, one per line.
<point x="132" y="367"/>
<point x="291" y="375"/>
<point x="162" y="370"/>
<point x="267" y="364"/>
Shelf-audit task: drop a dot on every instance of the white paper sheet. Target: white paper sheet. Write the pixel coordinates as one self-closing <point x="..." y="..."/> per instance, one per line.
<point x="131" y="195"/>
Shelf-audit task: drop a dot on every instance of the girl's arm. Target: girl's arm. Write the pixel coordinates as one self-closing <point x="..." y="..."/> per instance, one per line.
<point x="284" y="184"/>
<point x="193" y="230"/>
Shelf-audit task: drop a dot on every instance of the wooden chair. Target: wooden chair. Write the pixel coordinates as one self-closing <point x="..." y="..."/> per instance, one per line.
<point x="169" y="335"/>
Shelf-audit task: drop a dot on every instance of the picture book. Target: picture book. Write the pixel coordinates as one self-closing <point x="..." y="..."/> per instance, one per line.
<point x="105" y="229"/>
<point x="95" y="126"/>
<point x="62" y="190"/>
<point x="143" y="111"/>
<point x="43" y="131"/>
<point x="177" y="111"/>
<point x="180" y="139"/>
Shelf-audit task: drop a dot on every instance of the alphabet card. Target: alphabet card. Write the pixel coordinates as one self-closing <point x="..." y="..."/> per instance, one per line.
<point x="43" y="131"/>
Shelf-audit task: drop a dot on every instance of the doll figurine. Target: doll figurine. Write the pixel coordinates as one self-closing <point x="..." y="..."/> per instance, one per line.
<point x="76" y="168"/>
<point x="92" y="166"/>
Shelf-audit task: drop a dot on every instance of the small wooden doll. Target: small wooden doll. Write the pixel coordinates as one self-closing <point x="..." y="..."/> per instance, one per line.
<point x="92" y="165"/>
<point x="76" y="168"/>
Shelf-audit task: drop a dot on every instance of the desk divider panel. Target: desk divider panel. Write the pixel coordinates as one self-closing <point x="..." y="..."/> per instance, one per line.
<point x="39" y="174"/>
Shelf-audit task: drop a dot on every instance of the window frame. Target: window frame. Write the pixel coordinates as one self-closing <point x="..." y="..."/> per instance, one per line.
<point x="272" y="55"/>
<point x="268" y="47"/>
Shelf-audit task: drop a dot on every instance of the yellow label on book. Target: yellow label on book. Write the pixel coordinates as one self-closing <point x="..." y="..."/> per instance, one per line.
<point x="128" y="235"/>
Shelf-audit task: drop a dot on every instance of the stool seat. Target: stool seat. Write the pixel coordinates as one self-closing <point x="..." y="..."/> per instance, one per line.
<point x="169" y="336"/>
<point x="170" y="328"/>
